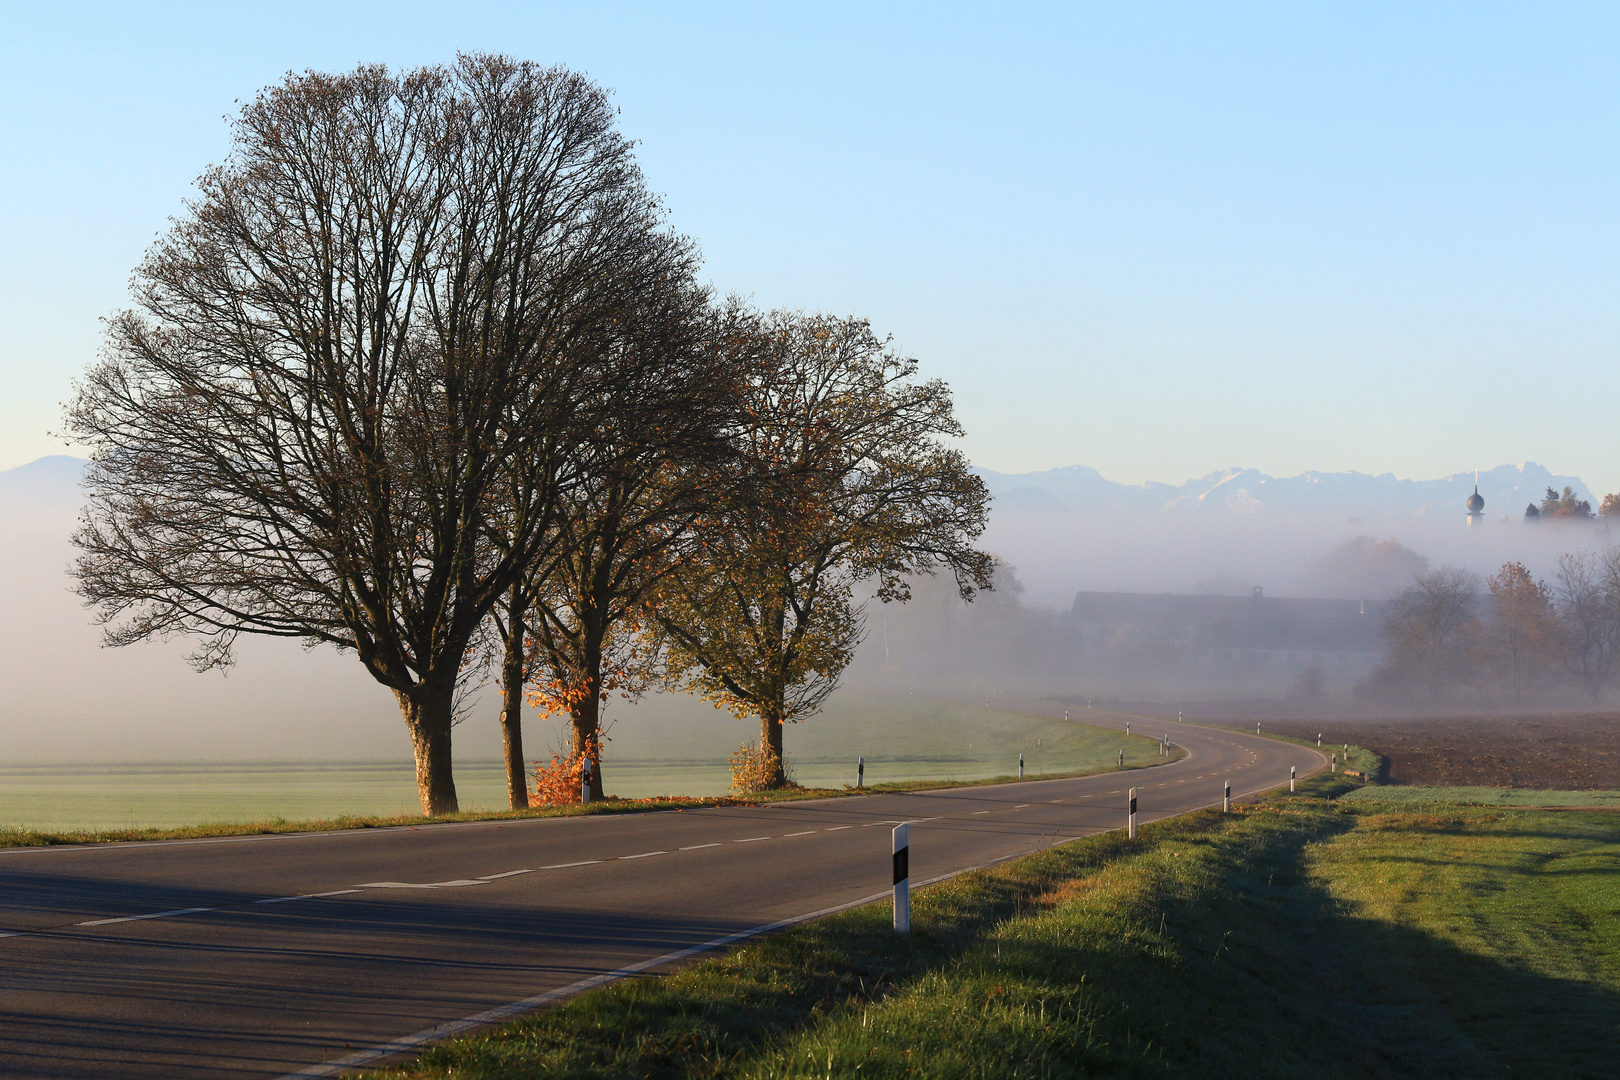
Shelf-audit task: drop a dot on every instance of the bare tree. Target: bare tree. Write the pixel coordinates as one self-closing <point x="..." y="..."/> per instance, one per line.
<point x="1588" y="601"/>
<point x="841" y="478"/>
<point x="1430" y="627"/>
<point x="347" y="403"/>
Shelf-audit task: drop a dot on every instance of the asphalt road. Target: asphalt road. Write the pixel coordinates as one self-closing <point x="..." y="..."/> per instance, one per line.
<point x="266" y="956"/>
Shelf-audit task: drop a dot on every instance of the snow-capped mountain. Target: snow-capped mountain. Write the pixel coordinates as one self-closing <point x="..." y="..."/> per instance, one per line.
<point x="1507" y="489"/>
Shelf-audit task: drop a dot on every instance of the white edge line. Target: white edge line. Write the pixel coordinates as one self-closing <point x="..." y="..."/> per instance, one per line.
<point x="509" y="873"/>
<point x="551" y="997"/>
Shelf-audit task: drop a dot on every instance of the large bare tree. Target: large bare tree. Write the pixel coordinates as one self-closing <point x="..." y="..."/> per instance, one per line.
<point x="348" y="401"/>
<point x="842" y="477"/>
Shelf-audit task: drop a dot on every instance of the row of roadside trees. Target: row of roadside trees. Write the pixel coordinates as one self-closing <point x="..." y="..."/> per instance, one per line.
<point x="422" y="373"/>
<point x="1510" y="634"/>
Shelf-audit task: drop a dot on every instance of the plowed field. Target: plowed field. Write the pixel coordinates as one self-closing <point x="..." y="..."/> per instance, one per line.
<point x="1569" y="752"/>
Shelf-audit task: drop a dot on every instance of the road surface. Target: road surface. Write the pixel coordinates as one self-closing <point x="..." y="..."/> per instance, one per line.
<point x="275" y="955"/>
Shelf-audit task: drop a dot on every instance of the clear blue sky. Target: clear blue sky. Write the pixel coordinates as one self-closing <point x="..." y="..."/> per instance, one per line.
<point x="1157" y="239"/>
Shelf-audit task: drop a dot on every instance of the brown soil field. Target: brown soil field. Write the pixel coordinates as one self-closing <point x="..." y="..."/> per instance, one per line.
<point x="1568" y="752"/>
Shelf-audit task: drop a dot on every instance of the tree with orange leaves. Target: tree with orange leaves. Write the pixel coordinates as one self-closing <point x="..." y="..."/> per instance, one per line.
<point x="841" y="479"/>
<point x="1521" y="637"/>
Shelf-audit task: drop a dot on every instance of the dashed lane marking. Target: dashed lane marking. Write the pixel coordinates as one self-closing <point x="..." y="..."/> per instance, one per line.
<point x="699" y="847"/>
<point x="153" y="915"/>
<point x="455" y="883"/>
<point x="566" y="865"/>
<point x="835" y="828"/>
<point x="807" y="832"/>
<point x="509" y="873"/>
<point x="750" y="839"/>
<point x="643" y="855"/>
<point x="306" y="896"/>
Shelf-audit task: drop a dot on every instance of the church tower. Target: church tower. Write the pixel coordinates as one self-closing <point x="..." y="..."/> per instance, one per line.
<point x="1476" y="504"/>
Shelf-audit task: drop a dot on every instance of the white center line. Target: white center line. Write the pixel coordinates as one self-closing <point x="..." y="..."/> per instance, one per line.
<point x="976" y="812"/>
<point x="807" y="832"/>
<point x="644" y="854"/>
<point x="1020" y="806"/>
<point x="154" y="915"/>
<point x="750" y="839"/>
<point x="566" y="865"/>
<point x="509" y="873"/>
<point x="835" y="828"/>
<point x="698" y="847"/>
<point x="306" y="896"/>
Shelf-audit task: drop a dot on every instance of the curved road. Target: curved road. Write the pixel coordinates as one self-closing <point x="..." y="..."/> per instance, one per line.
<point x="272" y="955"/>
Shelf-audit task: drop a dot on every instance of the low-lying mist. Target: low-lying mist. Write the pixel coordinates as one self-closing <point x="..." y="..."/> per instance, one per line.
<point x="1138" y="594"/>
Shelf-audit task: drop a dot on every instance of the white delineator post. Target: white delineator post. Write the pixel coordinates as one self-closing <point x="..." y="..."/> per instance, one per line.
<point x="1335" y="763"/>
<point x="1319" y="740"/>
<point x="585" y="784"/>
<point x="1020" y="766"/>
<point x="1226" y="797"/>
<point x="1127" y="729"/>
<point x="1290" y="778"/>
<point x="1130" y="815"/>
<point x="902" y="879"/>
<point x="1122" y="759"/>
<point x="1257" y="729"/>
<point x="860" y="772"/>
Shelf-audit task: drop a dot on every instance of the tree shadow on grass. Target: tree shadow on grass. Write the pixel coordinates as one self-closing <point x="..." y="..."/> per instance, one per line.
<point x="1258" y="971"/>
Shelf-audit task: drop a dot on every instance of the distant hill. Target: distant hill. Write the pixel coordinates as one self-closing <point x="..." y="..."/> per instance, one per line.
<point x="1507" y="489"/>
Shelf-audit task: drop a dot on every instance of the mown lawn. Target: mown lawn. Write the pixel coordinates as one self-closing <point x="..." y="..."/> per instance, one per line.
<point x="1297" y="938"/>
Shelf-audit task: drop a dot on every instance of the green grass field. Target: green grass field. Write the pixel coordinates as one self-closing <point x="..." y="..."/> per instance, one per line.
<point x="681" y="751"/>
<point x="1295" y="939"/>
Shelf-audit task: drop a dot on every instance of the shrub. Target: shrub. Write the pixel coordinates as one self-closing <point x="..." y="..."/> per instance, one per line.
<point x="753" y="768"/>
<point x="558" y="784"/>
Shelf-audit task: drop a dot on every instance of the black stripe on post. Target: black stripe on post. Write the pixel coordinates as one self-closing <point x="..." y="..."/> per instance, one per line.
<point x="902" y="864"/>
<point x="1133" y="804"/>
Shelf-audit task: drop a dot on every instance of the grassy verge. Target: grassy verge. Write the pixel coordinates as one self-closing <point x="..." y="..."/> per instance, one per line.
<point x="12" y="837"/>
<point x="1293" y="939"/>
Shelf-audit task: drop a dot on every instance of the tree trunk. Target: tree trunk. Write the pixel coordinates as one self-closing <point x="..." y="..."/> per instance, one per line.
<point x="428" y="714"/>
<point x="517" y="781"/>
<point x="770" y="734"/>
<point x="587" y="714"/>
<point x="586" y="717"/>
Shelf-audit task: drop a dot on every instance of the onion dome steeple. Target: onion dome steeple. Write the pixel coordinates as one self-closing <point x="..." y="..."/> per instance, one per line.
<point x="1476" y="503"/>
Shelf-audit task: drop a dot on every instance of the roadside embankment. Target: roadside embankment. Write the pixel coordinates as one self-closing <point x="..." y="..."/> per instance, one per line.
<point x="1297" y="937"/>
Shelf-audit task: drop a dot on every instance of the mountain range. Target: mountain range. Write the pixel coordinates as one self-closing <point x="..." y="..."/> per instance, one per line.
<point x="1507" y="489"/>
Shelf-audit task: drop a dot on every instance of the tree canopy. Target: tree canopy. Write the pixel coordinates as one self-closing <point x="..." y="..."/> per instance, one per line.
<point x="351" y="392"/>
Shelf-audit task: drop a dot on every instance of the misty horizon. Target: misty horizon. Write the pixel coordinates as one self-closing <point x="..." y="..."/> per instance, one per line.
<point x="67" y="697"/>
